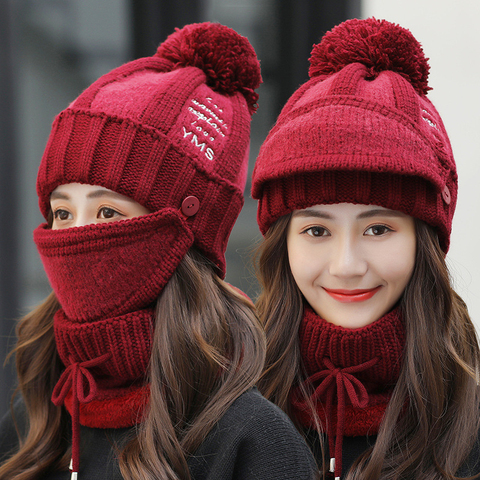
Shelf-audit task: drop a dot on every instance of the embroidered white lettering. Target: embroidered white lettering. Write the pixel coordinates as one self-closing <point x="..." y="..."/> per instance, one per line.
<point x="202" y="106"/>
<point x="201" y="146"/>
<point x="209" y="153"/>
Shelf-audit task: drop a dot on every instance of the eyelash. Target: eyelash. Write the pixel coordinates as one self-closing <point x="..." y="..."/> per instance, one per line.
<point x="386" y="228"/>
<point x="57" y="212"/>
<point x="108" y="208"/>
<point x="309" y="230"/>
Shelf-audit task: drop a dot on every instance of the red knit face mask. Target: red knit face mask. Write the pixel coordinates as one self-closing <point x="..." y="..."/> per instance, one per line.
<point x="105" y="270"/>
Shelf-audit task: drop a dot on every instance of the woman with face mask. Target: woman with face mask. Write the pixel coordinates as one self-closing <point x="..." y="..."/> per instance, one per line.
<point x="369" y="349"/>
<point x="141" y="363"/>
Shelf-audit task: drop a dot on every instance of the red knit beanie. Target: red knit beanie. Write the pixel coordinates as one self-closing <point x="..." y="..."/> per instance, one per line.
<point x="168" y="131"/>
<point x="361" y="130"/>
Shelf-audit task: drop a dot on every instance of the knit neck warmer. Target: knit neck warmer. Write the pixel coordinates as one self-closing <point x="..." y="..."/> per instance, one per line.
<point x="351" y="376"/>
<point x="106" y="278"/>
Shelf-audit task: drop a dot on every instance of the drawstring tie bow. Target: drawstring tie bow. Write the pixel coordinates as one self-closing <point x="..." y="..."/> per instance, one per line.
<point x="346" y="384"/>
<point x="77" y="378"/>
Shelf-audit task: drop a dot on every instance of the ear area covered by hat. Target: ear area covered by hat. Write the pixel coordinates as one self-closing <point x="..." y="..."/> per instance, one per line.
<point x="361" y="130"/>
<point x="169" y="131"/>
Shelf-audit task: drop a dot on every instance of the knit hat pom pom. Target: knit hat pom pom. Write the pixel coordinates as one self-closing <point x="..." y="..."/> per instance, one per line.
<point x="377" y="44"/>
<point x="226" y="57"/>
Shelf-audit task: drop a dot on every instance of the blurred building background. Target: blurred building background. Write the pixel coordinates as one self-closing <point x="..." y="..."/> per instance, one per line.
<point x="50" y="50"/>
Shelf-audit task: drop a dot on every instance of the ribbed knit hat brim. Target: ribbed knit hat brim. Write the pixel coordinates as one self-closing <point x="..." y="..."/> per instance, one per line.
<point x="361" y="132"/>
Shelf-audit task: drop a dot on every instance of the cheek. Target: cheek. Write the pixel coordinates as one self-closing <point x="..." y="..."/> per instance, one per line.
<point x="305" y="264"/>
<point x="296" y="262"/>
<point x="398" y="265"/>
<point x="138" y="210"/>
<point x="296" y="259"/>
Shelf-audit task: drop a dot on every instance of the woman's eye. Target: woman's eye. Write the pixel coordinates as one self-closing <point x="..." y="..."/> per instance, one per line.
<point x="317" y="232"/>
<point x="377" y="230"/>
<point x="107" y="212"/>
<point x="62" y="215"/>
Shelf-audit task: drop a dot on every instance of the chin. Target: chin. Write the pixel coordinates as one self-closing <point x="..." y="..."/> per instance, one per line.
<point x="351" y="323"/>
<point x="351" y="317"/>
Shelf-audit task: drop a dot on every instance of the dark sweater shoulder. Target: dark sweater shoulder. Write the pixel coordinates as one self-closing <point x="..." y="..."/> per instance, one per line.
<point x="471" y="466"/>
<point x="98" y="454"/>
<point x="353" y="447"/>
<point x="253" y="440"/>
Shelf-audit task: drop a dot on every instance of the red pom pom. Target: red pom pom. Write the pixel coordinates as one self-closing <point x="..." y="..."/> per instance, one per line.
<point x="377" y="44"/>
<point x="227" y="58"/>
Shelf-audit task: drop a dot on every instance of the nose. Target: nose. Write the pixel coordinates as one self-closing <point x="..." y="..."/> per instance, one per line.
<point x="82" y="218"/>
<point x="347" y="259"/>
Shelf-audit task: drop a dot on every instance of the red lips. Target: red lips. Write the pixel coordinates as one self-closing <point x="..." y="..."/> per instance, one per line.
<point x="350" y="296"/>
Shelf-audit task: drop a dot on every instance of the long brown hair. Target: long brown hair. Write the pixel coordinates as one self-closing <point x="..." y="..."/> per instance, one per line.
<point x="433" y="417"/>
<point x="208" y="349"/>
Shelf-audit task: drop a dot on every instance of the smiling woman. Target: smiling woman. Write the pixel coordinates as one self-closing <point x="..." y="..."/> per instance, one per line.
<point x="369" y="349"/>
<point x="351" y="262"/>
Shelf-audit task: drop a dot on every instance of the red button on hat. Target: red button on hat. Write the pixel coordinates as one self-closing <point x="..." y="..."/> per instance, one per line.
<point x="447" y="197"/>
<point x="190" y="206"/>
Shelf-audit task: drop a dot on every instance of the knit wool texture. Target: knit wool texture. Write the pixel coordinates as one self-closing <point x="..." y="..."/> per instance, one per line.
<point x="107" y="278"/>
<point x="361" y="130"/>
<point x="346" y="347"/>
<point x="347" y="366"/>
<point x="164" y="128"/>
<point x="118" y="408"/>
<point x="105" y="270"/>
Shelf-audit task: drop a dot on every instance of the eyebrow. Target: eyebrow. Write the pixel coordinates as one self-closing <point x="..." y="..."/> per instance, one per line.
<point x="309" y="212"/>
<point x="95" y="194"/>
<point x="380" y="212"/>
<point x="376" y="212"/>
<point x="58" y="196"/>
<point x="106" y="193"/>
